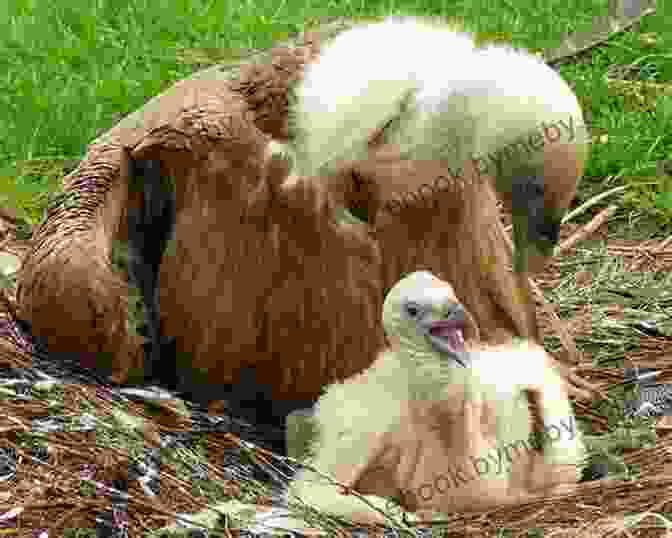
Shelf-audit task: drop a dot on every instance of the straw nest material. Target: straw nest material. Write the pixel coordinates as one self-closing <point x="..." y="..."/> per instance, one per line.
<point x="76" y="454"/>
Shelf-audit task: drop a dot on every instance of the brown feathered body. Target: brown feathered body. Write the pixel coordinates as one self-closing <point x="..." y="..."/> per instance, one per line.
<point x="258" y="276"/>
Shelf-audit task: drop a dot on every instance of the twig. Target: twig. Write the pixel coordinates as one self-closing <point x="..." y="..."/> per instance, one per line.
<point x="656" y="250"/>
<point x="586" y="230"/>
<point x="586" y="410"/>
<point x="589" y="203"/>
<point x="620" y="18"/>
<point x="663" y="245"/>
<point x="560" y="326"/>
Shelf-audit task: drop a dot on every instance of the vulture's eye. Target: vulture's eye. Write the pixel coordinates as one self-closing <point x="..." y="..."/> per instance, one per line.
<point x="412" y="310"/>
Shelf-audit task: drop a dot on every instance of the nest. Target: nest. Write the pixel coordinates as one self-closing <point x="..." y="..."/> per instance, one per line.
<point x="76" y="475"/>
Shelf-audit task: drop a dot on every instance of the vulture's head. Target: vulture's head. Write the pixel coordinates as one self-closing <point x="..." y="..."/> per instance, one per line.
<point x="422" y="314"/>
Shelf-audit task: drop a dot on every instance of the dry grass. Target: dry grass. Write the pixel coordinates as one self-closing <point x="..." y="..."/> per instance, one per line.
<point x="600" y="290"/>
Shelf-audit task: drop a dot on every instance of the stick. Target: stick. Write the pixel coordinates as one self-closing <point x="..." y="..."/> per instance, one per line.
<point x="656" y="250"/>
<point x="586" y="230"/>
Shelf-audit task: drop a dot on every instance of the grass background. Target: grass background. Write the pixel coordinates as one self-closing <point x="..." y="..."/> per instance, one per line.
<point x="70" y="70"/>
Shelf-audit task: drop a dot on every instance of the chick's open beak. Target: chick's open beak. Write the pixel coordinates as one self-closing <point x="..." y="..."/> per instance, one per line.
<point x="447" y="335"/>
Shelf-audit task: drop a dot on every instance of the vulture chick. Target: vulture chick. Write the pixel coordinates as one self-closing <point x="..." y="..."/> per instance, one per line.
<point x="437" y="425"/>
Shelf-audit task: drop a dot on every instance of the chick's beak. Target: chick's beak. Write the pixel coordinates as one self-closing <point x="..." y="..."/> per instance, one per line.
<point x="447" y="334"/>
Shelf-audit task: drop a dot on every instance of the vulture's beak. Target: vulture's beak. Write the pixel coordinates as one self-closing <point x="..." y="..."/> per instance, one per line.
<point x="447" y="335"/>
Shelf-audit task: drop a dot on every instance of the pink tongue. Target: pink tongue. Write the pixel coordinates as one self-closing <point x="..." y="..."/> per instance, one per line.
<point x="454" y="337"/>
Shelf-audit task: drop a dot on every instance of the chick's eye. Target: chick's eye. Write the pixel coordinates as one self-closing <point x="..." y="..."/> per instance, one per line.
<point x="412" y="310"/>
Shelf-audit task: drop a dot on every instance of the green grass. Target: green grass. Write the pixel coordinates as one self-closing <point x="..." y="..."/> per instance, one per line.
<point x="70" y="70"/>
<point x="634" y="118"/>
